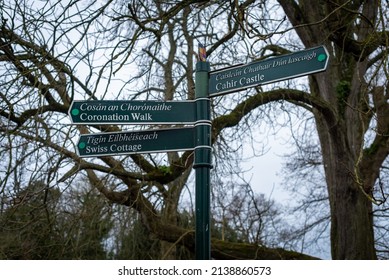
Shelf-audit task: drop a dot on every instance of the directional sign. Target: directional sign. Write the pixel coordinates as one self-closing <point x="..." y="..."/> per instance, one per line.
<point x="135" y="142"/>
<point x="132" y="112"/>
<point x="267" y="71"/>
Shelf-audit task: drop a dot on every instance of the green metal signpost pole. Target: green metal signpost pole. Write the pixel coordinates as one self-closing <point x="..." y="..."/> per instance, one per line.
<point x="202" y="162"/>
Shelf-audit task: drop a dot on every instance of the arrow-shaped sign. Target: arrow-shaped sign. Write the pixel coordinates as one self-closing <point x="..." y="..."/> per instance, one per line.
<point x="132" y="112"/>
<point x="267" y="71"/>
<point x="135" y="142"/>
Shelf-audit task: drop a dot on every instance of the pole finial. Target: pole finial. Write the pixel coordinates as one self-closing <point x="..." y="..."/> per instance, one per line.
<point x="202" y="53"/>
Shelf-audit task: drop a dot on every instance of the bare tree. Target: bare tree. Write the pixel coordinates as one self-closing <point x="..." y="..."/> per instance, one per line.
<point x="54" y="52"/>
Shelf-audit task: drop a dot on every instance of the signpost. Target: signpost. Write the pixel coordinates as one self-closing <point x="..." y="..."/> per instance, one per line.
<point x="267" y="71"/>
<point x="132" y="112"/>
<point x="196" y="113"/>
<point x="202" y="163"/>
<point x="135" y="142"/>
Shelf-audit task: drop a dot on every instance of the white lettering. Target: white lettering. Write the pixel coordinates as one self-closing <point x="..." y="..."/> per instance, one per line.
<point x="142" y="117"/>
<point x="98" y="107"/>
<point x="125" y="148"/>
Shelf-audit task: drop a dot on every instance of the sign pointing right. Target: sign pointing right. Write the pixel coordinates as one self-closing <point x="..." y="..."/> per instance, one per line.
<point x="267" y="71"/>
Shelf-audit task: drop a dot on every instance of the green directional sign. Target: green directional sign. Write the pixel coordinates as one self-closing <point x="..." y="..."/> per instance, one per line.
<point x="267" y="71"/>
<point x="135" y="142"/>
<point x="132" y="112"/>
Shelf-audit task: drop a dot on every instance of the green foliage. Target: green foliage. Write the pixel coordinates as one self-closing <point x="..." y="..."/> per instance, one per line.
<point x="165" y="169"/>
<point x="43" y="223"/>
<point x="28" y="228"/>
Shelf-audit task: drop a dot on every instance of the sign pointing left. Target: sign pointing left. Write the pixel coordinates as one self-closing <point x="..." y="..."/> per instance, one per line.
<point x="132" y="112"/>
<point x="136" y="142"/>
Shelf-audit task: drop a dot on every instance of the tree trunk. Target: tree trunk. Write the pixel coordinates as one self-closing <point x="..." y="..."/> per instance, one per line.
<point x="341" y="130"/>
<point x="352" y="235"/>
<point x="341" y="133"/>
<point x="351" y="213"/>
<point x="352" y="224"/>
